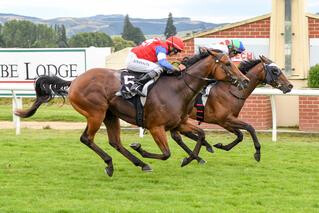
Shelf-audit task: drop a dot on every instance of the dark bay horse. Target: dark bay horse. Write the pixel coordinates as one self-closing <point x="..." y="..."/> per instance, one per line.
<point x="224" y="102"/>
<point x="92" y="94"/>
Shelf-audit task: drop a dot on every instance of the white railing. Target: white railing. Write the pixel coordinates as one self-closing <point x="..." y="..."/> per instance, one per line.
<point x="274" y="92"/>
<point x="17" y="102"/>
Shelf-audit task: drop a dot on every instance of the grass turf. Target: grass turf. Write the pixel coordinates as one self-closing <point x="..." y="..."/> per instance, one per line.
<point x="51" y="171"/>
<point x="53" y="111"/>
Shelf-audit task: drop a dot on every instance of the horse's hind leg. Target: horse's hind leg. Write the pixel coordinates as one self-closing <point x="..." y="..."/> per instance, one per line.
<point x="93" y="125"/>
<point x="112" y="124"/>
<point x="159" y="135"/>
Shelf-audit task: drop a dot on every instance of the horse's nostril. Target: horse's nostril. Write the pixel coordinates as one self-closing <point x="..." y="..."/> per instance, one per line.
<point x="290" y="86"/>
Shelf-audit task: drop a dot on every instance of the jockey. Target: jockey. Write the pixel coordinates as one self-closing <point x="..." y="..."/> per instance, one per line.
<point x="230" y="47"/>
<point x="150" y="58"/>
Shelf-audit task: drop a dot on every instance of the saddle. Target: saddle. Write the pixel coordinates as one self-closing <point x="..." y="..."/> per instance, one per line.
<point x="127" y="81"/>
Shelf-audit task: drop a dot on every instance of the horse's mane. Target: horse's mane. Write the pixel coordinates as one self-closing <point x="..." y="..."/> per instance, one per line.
<point x="192" y="60"/>
<point x="246" y="65"/>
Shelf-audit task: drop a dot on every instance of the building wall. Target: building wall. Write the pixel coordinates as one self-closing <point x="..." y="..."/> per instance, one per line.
<point x="257" y="29"/>
<point x="309" y="113"/>
<point x="313" y="27"/>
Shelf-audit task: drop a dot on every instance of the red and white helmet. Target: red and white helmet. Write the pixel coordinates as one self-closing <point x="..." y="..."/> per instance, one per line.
<point x="176" y="42"/>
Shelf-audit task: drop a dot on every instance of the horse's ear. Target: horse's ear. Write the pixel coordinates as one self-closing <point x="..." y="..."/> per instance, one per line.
<point x="202" y="50"/>
<point x="213" y="53"/>
<point x="262" y="58"/>
<point x="265" y="59"/>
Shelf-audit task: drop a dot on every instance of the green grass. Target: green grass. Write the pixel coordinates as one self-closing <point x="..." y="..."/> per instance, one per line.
<point x="47" y="112"/>
<point x="51" y="171"/>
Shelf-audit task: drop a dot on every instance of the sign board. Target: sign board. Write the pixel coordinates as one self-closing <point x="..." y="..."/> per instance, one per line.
<point x="254" y="46"/>
<point x="314" y="51"/>
<point x="20" y="67"/>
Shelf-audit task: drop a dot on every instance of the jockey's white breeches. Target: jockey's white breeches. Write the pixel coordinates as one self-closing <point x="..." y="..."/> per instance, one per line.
<point x="141" y="65"/>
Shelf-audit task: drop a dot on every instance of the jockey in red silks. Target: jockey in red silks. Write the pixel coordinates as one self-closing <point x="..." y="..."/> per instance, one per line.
<point x="150" y="58"/>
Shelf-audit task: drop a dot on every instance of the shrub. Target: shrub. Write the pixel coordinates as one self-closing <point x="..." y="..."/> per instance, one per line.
<point x="313" y="78"/>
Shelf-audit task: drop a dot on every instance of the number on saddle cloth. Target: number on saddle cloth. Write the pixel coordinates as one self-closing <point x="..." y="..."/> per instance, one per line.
<point x="127" y="80"/>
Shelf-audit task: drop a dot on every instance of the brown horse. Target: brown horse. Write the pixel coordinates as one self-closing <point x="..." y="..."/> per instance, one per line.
<point x="167" y="106"/>
<point x="224" y="103"/>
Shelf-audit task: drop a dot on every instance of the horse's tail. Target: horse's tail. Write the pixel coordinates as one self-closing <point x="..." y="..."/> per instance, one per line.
<point x="46" y="88"/>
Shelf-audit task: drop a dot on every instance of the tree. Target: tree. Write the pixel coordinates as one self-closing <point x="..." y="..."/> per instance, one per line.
<point x="1" y="39"/>
<point x="62" y="39"/>
<point x="132" y="33"/>
<point x="170" y="29"/>
<point x="46" y="37"/>
<point x="119" y="43"/>
<point x="96" y="39"/>
<point x="19" y="34"/>
<point x="25" y="34"/>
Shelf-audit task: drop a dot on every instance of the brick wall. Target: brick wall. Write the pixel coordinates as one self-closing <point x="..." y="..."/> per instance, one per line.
<point x="256" y="111"/>
<point x="313" y="27"/>
<point x="309" y="106"/>
<point x="308" y="113"/>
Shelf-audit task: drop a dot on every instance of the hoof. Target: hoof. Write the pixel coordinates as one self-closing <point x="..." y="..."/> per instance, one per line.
<point x="257" y="157"/>
<point x="135" y="146"/>
<point x="185" y="161"/>
<point x="147" y="168"/>
<point x="109" y="171"/>
<point x="209" y="149"/>
<point x="202" y="161"/>
<point x="218" y="145"/>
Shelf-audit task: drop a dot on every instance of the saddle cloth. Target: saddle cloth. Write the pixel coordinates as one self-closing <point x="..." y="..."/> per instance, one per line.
<point x="200" y="102"/>
<point x="127" y="81"/>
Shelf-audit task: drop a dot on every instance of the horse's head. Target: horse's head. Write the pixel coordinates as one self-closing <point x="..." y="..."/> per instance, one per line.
<point x="274" y="76"/>
<point x="223" y="69"/>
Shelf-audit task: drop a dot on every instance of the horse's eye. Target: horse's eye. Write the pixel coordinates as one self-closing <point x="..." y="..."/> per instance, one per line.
<point x="228" y="64"/>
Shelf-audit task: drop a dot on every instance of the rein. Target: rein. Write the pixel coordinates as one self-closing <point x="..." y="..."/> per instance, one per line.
<point x="217" y="60"/>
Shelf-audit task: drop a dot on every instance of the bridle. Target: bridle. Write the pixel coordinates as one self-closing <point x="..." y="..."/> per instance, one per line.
<point x="217" y="59"/>
<point x="271" y="77"/>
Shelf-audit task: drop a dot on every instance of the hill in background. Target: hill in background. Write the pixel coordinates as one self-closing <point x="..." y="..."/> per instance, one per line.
<point x="113" y="24"/>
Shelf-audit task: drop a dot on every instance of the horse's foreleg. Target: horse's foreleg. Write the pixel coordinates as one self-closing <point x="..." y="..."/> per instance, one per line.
<point x="159" y="135"/>
<point x="189" y="128"/>
<point x="231" y="145"/>
<point x="194" y="137"/>
<point x="235" y="123"/>
<point x="178" y="139"/>
<point x="112" y="124"/>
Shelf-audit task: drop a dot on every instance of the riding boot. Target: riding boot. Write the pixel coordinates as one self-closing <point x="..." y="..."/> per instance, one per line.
<point x="137" y="87"/>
